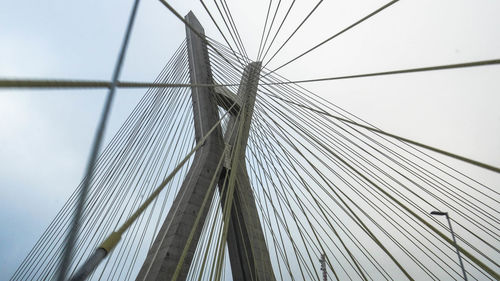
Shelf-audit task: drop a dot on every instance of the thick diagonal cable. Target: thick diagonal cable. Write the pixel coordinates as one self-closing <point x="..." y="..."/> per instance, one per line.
<point x="72" y="234"/>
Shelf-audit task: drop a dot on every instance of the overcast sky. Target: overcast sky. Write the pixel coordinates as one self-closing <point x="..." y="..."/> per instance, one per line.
<point x="45" y="135"/>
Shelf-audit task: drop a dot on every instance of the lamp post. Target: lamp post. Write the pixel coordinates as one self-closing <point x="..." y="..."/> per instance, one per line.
<point x="438" y="213"/>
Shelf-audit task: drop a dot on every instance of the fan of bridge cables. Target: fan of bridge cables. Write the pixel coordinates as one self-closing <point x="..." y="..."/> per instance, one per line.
<point x="327" y="181"/>
<point x="324" y="182"/>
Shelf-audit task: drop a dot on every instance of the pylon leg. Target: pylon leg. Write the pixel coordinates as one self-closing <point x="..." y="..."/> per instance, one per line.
<point x="247" y="248"/>
<point x="163" y="257"/>
<point x="248" y="252"/>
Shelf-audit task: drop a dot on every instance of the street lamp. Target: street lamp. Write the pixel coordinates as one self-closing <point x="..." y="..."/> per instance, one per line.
<point x="438" y="213"/>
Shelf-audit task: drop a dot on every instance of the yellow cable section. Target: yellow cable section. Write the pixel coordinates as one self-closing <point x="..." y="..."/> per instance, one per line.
<point x="113" y="239"/>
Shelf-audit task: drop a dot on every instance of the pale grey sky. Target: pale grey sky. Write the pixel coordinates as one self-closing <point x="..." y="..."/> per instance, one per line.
<point x="45" y="135"/>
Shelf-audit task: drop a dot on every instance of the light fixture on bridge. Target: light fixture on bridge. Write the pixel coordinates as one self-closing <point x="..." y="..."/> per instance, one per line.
<point x="439" y="213"/>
